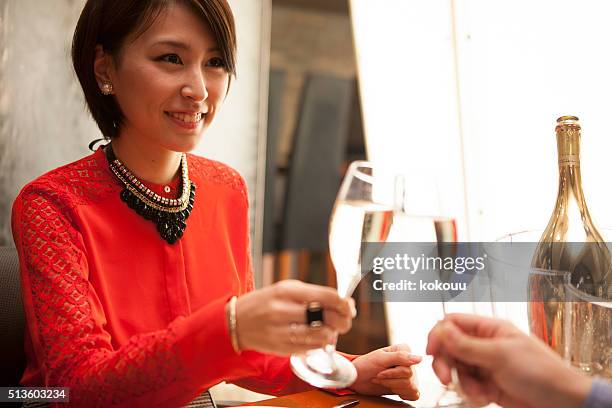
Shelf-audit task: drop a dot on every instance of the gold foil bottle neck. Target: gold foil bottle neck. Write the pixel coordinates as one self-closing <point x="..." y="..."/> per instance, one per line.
<point x="569" y="120"/>
<point x="568" y="140"/>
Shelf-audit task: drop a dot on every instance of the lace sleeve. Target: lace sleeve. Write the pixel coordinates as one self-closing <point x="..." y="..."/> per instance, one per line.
<point x="275" y="376"/>
<point x="250" y="282"/>
<point x="66" y="323"/>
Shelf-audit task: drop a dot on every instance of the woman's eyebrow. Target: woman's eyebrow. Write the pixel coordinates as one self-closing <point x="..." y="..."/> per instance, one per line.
<point x="182" y="45"/>
<point x="173" y="43"/>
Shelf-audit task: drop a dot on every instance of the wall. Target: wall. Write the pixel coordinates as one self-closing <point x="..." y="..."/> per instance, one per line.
<point x="43" y="122"/>
<point x="305" y="41"/>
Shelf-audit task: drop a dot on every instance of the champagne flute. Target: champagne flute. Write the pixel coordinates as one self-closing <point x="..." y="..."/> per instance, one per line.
<point x="446" y="233"/>
<point x="425" y="223"/>
<point x="363" y="212"/>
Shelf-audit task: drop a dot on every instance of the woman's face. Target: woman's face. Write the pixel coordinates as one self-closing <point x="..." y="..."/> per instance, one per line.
<point x="170" y="81"/>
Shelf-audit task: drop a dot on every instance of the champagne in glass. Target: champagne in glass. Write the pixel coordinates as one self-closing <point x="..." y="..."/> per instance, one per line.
<point x="354" y="222"/>
<point x="363" y="212"/>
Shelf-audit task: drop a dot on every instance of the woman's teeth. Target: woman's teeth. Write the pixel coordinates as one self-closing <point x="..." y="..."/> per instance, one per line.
<point x="188" y="118"/>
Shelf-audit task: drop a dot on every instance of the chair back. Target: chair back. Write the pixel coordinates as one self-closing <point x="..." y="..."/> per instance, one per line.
<point x="12" y="319"/>
<point x="319" y="149"/>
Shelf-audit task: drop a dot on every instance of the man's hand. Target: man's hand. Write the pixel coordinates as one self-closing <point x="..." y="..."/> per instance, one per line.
<point x="496" y="362"/>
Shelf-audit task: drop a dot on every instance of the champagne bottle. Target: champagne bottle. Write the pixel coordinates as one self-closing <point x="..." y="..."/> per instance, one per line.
<point x="570" y="242"/>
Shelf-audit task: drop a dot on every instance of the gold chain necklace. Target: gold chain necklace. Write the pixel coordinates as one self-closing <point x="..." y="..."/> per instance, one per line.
<point x="170" y="215"/>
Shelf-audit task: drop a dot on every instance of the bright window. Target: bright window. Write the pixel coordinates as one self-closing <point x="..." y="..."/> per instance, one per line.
<point x="469" y="91"/>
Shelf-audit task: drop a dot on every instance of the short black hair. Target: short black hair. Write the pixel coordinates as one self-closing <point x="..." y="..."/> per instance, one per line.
<point x="110" y="22"/>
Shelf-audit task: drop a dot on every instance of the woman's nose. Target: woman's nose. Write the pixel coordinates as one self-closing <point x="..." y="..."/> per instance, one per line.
<point x="195" y="89"/>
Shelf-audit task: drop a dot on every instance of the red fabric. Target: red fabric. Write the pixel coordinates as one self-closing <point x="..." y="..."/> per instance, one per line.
<point x="119" y="315"/>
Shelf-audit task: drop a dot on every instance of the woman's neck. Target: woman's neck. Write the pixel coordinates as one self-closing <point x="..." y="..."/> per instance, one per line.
<point x="145" y="160"/>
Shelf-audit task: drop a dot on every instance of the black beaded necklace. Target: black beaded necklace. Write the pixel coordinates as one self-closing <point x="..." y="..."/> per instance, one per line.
<point x="170" y="215"/>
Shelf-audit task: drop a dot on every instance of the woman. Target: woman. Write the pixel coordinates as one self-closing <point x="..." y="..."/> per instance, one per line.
<point x="136" y="274"/>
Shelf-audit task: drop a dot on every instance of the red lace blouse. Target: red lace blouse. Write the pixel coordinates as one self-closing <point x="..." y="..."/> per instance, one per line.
<point x="119" y="315"/>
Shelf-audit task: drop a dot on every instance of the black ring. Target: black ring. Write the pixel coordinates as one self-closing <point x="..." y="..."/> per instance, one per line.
<point x="314" y="315"/>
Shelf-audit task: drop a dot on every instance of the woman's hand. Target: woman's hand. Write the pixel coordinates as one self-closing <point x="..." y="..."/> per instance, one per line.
<point x="273" y="319"/>
<point x="387" y="371"/>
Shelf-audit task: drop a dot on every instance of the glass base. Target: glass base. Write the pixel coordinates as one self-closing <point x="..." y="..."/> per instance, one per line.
<point x="317" y="369"/>
<point x="450" y="399"/>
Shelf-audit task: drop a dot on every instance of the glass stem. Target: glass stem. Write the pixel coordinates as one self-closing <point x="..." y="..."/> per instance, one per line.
<point x="331" y="349"/>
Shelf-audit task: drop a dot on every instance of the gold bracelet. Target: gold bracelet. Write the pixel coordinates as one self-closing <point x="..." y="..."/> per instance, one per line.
<point x="232" y="324"/>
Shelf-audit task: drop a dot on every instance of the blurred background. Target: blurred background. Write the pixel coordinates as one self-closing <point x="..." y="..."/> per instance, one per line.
<point x="465" y="92"/>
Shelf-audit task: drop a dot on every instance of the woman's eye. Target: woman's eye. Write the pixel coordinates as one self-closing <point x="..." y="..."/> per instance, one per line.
<point x="171" y="58"/>
<point x="216" y="62"/>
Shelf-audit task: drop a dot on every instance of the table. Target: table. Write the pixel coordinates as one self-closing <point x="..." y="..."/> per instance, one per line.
<point x="321" y="399"/>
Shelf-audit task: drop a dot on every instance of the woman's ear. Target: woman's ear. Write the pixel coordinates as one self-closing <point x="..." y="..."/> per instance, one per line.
<point x="103" y="66"/>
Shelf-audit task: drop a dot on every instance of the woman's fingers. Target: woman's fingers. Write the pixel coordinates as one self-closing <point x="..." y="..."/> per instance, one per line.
<point x="273" y="319"/>
<point x="402" y="387"/>
<point x="293" y="338"/>
<point x="293" y="296"/>
<point x="400" y="378"/>
<point x="300" y="337"/>
<point x="296" y="313"/>
<point x="397" y="358"/>
<point x="395" y="373"/>
<point x="398" y="347"/>
<point x="304" y="293"/>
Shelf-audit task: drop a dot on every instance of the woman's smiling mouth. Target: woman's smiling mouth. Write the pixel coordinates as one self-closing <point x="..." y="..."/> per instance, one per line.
<point x="186" y="120"/>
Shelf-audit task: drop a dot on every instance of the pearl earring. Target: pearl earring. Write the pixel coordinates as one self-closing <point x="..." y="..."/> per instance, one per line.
<point x="107" y="88"/>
